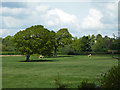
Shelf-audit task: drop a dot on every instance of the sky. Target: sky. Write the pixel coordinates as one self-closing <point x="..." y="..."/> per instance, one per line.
<point x="81" y="17"/>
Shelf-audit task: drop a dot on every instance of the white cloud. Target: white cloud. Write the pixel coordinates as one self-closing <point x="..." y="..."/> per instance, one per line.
<point x="42" y="8"/>
<point x="46" y="0"/>
<point x="38" y="14"/>
<point x="12" y="11"/>
<point x="12" y="16"/>
<point x="111" y="10"/>
<point x="59" y="0"/>
<point x="57" y="16"/>
<point x="111" y="6"/>
<point x="10" y="22"/>
<point x="43" y="13"/>
<point x="6" y="32"/>
<point x="92" y="21"/>
<point x="3" y="31"/>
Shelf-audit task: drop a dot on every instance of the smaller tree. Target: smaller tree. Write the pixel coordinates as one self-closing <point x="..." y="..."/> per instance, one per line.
<point x="116" y="48"/>
<point x="92" y="42"/>
<point x="62" y="37"/>
<point x="98" y="36"/>
<point x="77" y="44"/>
<point x="86" y="43"/>
<point x="8" y="44"/>
<point x="82" y="44"/>
<point x="100" y="45"/>
<point x="0" y="44"/>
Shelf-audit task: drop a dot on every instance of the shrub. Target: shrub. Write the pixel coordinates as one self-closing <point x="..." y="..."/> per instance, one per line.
<point x="11" y="53"/>
<point x="85" y="84"/>
<point x="111" y="79"/>
<point x="59" y="84"/>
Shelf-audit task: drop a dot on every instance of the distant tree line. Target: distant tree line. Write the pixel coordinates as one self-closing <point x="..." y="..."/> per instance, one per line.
<point x="40" y="40"/>
<point x="90" y="43"/>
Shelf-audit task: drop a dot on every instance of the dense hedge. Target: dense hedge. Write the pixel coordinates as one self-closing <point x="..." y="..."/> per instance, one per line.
<point x="59" y="53"/>
<point x="11" y="53"/>
<point x="84" y="53"/>
<point x="72" y="52"/>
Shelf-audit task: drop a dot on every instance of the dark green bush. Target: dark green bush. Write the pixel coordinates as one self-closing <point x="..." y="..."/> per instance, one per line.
<point x="11" y="53"/>
<point x="85" y="84"/>
<point x="111" y="79"/>
<point x="59" y="83"/>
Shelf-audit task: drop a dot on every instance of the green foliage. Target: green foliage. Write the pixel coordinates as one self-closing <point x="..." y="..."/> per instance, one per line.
<point x="8" y="44"/>
<point x="86" y="43"/>
<point x="103" y="44"/>
<point x="11" y="53"/>
<point x="77" y="45"/>
<point x="0" y="40"/>
<point x="62" y="38"/>
<point x="38" y="39"/>
<point x="0" y="46"/>
<point x="98" y="36"/>
<point x="96" y="44"/>
<point x="59" y="83"/>
<point x="66" y="50"/>
<point x="110" y="79"/>
<point x="115" y="45"/>
<point x="100" y="45"/>
<point x="82" y="44"/>
<point x="86" y="84"/>
<point x="35" y="39"/>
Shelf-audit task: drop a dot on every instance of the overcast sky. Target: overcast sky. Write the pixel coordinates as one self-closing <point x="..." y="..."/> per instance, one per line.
<point x="81" y="17"/>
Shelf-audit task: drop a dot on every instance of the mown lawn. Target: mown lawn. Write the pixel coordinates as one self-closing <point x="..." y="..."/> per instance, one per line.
<point x="41" y="73"/>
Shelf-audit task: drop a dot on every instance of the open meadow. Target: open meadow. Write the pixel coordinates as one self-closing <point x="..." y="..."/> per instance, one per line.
<point x="41" y="73"/>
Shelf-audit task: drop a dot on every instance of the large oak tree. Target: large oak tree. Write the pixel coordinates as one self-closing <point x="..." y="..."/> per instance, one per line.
<point x="35" y="39"/>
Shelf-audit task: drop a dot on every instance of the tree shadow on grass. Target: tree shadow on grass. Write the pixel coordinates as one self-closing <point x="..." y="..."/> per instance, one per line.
<point x="65" y="56"/>
<point x="42" y="60"/>
<point x="60" y="56"/>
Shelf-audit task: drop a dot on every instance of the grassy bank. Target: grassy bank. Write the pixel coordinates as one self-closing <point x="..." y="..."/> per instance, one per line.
<point x="41" y="73"/>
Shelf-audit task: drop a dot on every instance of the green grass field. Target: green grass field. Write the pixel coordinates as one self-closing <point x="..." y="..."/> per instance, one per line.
<point x="41" y="73"/>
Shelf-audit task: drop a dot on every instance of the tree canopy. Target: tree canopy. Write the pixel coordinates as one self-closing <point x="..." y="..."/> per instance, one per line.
<point x="35" y="39"/>
<point x="8" y="43"/>
<point x="40" y="40"/>
<point x="62" y="37"/>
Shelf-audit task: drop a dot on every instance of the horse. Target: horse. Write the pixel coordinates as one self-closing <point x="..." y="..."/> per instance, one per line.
<point x="89" y="55"/>
<point x="41" y="56"/>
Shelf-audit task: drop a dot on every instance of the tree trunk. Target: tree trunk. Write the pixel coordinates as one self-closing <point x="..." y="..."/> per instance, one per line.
<point x="27" y="58"/>
<point x="55" y="51"/>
